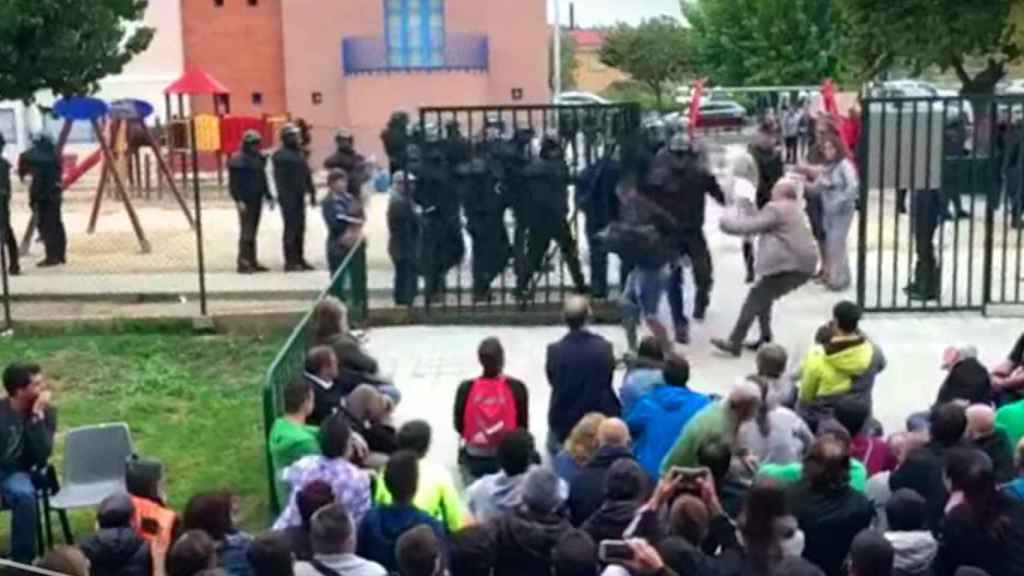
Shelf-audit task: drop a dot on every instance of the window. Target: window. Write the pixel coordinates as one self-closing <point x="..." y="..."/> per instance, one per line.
<point x="257" y="98"/>
<point x="415" y="33"/>
<point x="81" y="132"/>
<point x="317" y="98"/>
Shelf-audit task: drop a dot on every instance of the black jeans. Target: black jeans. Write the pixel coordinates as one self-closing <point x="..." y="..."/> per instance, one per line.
<point x="8" y="240"/>
<point x="539" y="238"/>
<point x="294" y="234"/>
<point x="248" y="230"/>
<point x="491" y="250"/>
<point x="926" y="211"/>
<point x="406" y="281"/>
<point x="694" y="246"/>
<point x="51" y="227"/>
<point x="761" y="299"/>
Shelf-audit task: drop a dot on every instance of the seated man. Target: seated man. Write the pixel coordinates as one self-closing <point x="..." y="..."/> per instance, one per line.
<point x="1016" y="487"/>
<point x="846" y="364"/>
<point x="290" y="437"/>
<point x="153" y="520"/>
<point x="384" y="525"/>
<point x="1008" y="377"/>
<point x="501" y="492"/>
<point x="587" y="491"/>
<point x="643" y="373"/>
<point x="967" y="379"/>
<point x="115" y="549"/>
<point x="716" y="422"/>
<point x="525" y="537"/>
<point x="983" y="435"/>
<point x="334" y="546"/>
<point x="793" y="472"/>
<point x="420" y="553"/>
<point x="27" y="425"/>
<point x="486" y="409"/>
<point x="322" y="374"/>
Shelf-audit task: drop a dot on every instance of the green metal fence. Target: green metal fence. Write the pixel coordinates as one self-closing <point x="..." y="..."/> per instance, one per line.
<point x="349" y="286"/>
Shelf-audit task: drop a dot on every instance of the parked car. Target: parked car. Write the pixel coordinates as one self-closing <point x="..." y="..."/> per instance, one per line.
<point x="920" y="91"/>
<point x="579" y="98"/>
<point x="719" y="114"/>
<point x="1015" y="87"/>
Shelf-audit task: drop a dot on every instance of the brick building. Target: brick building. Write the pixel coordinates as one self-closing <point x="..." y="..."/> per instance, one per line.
<point x="592" y="75"/>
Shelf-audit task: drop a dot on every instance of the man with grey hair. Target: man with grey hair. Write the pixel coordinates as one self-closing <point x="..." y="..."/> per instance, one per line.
<point x="717" y="422"/>
<point x="333" y="538"/>
<point x="967" y="377"/>
<point x="787" y="258"/>
<point x="580" y="368"/>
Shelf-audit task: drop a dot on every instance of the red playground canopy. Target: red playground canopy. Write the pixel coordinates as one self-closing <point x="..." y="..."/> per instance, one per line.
<point x="197" y="81"/>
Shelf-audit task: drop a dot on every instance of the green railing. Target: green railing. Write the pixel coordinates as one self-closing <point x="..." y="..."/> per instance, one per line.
<point x="349" y="286"/>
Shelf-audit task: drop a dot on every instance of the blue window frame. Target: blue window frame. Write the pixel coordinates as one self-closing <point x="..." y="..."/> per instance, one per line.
<point x="415" y="33"/>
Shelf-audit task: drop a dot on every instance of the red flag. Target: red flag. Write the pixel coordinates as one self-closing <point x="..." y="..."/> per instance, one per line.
<point x="698" y="93"/>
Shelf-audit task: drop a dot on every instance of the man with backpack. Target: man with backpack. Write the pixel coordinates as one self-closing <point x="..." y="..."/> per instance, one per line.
<point x="486" y="410"/>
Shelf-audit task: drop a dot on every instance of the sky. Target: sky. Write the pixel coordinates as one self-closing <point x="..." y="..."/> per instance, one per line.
<point x="591" y="13"/>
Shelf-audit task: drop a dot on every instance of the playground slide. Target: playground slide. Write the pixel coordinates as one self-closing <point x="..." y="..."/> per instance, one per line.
<point x="81" y="168"/>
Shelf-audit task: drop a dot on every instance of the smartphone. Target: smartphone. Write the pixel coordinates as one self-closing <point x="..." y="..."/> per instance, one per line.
<point x="689" y="477"/>
<point x="612" y="551"/>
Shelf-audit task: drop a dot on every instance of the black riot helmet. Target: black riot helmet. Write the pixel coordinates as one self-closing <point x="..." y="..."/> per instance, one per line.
<point x="344" y="140"/>
<point x="251" y="140"/>
<point x="551" y="148"/>
<point x="291" y="136"/>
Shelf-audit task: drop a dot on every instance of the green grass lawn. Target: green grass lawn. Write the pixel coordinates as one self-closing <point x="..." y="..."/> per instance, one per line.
<point x="191" y="401"/>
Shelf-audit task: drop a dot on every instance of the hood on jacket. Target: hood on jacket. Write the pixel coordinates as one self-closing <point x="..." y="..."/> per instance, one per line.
<point x="111" y="550"/>
<point x="611" y="519"/>
<point x="507" y="491"/>
<point x="672" y="398"/>
<point x="915" y="551"/>
<point x="850" y="357"/>
<point x="393" y="521"/>
<point x="532" y="534"/>
<point x="607" y="455"/>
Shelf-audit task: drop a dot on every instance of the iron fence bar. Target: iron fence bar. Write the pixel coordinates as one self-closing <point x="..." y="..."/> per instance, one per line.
<point x="862" y="219"/>
<point x="990" y="216"/>
<point x="911" y="191"/>
<point x="1008" y="210"/>
<point x="881" y="208"/>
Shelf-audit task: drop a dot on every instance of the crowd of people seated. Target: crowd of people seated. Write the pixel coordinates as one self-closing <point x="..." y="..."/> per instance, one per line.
<point x="788" y="473"/>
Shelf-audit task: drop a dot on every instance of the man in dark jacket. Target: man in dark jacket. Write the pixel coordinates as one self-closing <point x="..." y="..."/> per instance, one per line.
<point x="294" y="181"/>
<point x="442" y="247"/>
<point x="247" y="182"/>
<point x="587" y="490"/>
<point x="922" y="470"/>
<point x="27" y="425"/>
<point x="116" y="550"/>
<point x="395" y="138"/>
<point x="480" y="182"/>
<point x="968" y="379"/>
<point x="404" y="237"/>
<point x="680" y="181"/>
<point x="597" y="185"/>
<point x="828" y="510"/>
<point x="7" y="239"/>
<point x="983" y="435"/>
<point x="579" y="367"/>
<point x="548" y="208"/>
<point x="42" y="161"/>
<point x="625" y="490"/>
<point x="770" y="169"/>
<point x="525" y="538"/>
<point x="353" y="163"/>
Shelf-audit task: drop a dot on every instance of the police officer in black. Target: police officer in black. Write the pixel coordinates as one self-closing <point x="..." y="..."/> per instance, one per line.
<point x="404" y="237"/>
<point x="395" y="138"/>
<point x="597" y="185"/>
<point x="353" y="163"/>
<point x="485" y="219"/>
<point x="547" y="209"/>
<point x="514" y="156"/>
<point x="294" y="181"/>
<point x="442" y="247"/>
<point x="42" y="162"/>
<point x="680" y="180"/>
<point x="247" y="182"/>
<point x="7" y="238"/>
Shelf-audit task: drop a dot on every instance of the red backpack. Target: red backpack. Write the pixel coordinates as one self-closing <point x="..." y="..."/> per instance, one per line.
<point x="490" y="413"/>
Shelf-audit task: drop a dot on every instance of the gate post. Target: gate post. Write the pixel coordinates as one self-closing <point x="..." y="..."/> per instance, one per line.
<point x="862" y="213"/>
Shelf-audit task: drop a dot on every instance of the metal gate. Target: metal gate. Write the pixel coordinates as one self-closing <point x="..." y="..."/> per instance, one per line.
<point x="505" y="140"/>
<point x="940" y="205"/>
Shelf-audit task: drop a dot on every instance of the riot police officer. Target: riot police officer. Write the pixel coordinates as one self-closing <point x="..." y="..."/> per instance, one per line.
<point x="680" y="180"/>
<point x="294" y="181"/>
<point x="42" y="162"/>
<point x="404" y="237"/>
<point x="353" y="163"/>
<point x="7" y="238"/>
<point x="395" y="138"/>
<point x="597" y="185"/>
<point x="547" y="209"/>
<point x="442" y="247"/>
<point x="247" y="180"/>
<point x="514" y="157"/>
<point x="485" y="210"/>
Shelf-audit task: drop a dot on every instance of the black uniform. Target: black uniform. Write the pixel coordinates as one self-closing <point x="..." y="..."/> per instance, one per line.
<point x="247" y="181"/>
<point x="354" y="164"/>
<point x="679" y="182"/>
<point x="547" y="209"/>
<point x="6" y="232"/>
<point x="514" y="157"/>
<point x="597" y="185"/>
<point x="294" y="180"/>
<point x="403" y="245"/>
<point x="396" y="141"/>
<point x="485" y="209"/>
<point x="44" y="164"/>
<point x="442" y="247"/>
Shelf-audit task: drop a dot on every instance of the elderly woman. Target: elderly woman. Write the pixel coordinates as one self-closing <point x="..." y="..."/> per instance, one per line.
<point x="369" y="415"/>
<point x="835" y="186"/>
<point x="786" y="259"/>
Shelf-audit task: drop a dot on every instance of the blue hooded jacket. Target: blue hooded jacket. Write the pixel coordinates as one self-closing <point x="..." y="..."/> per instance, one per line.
<point x="657" y="420"/>
<point x="382" y="526"/>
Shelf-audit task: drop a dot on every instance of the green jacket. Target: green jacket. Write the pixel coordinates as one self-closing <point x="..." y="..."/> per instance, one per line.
<point x="1010" y="419"/>
<point x="436" y="495"/>
<point x="713" y="423"/>
<point x="288" y="443"/>
<point x="830" y="369"/>
<point x="794" y="471"/>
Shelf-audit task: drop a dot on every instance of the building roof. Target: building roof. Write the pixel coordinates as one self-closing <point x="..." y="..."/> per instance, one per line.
<point x="587" y="38"/>
<point x="196" y="81"/>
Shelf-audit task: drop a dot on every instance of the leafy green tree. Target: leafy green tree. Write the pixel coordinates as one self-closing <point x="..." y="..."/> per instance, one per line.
<point x="976" y="39"/>
<point x="766" y="42"/>
<point x="655" y="53"/>
<point x="66" y="46"/>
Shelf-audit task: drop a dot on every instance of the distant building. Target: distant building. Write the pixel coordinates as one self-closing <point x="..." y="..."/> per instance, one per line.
<point x="591" y="74"/>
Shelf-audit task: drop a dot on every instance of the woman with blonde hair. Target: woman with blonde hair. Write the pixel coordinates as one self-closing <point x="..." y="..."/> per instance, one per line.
<point x="579" y="447"/>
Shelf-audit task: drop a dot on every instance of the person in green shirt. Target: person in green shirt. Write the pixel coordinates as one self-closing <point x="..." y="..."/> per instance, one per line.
<point x="290" y="437"/>
<point x="435" y="494"/>
<point x="1010" y="419"/>
<point x="716" y="422"/>
<point x="794" y="472"/>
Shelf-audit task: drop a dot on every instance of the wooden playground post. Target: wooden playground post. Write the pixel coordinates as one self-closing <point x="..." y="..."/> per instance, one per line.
<point x="108" y="157"/>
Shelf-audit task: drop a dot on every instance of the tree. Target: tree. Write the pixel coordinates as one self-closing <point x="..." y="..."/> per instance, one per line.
<point x="569" y="63"/>
<point x="656" y="52"/>
<point x="66" y="46"/>
<point x="766" y="42"/>
<point x="976" y="39"/>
